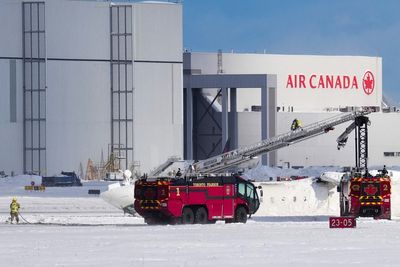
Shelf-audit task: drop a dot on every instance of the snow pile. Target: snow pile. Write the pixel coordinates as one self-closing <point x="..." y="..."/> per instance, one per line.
<point x="15" y="186"/>
<point x="304" y="197"/>
<point x="332" y="177"/>
<point x="264" y="173"/>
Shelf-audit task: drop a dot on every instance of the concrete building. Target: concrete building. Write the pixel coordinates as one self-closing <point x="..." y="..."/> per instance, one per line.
<point x="82" y="79"/>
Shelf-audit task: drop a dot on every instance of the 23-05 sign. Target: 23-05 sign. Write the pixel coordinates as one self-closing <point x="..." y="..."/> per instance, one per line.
<point x="342" y="222"/>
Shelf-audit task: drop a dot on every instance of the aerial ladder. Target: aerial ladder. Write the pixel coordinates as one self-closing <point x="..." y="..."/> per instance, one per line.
<point x="162" y="167"/>
<point x="245" y="154"/>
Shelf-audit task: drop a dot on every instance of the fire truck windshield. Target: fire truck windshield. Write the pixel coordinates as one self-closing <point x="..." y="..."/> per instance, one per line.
<point x="248" y="192"/>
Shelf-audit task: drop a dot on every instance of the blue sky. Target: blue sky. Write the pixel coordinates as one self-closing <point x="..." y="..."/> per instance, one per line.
<point x="342" y="27"/>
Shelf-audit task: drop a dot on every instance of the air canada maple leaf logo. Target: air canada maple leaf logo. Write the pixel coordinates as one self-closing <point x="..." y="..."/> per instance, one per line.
<point x="370" y="190"/>
<point x="368" y="82"/>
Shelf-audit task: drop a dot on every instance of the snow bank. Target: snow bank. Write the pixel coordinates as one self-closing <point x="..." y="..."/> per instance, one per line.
<point x="264" y="173"/>
<point x="15" y="186"/>
<point x="304" y="197"/>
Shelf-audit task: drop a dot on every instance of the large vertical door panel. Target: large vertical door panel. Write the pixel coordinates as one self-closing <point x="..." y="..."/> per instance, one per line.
<point x="34" y="86"/>
<point x="121" y="46"/>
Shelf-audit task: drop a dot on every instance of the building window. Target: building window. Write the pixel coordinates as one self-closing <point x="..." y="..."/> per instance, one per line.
<point x="391" y="154"/>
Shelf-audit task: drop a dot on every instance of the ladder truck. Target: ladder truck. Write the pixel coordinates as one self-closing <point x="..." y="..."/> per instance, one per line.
<point x="362" y="194"/>
<point x="201" y="194"/>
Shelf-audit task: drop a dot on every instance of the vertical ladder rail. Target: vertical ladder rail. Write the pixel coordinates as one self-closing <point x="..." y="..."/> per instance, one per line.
<point x="34" y="86"/>
<point x="361" y="144"/>
<point x="121" y="76"/>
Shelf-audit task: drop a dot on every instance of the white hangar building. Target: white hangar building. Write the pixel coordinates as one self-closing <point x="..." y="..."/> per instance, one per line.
<point x="82" y="78"/>
<point x="310" y="88"/>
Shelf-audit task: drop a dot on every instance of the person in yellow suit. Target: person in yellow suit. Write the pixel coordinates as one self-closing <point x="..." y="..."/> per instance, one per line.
<point x="296" y="124"/>
<point x="14" y="210"/>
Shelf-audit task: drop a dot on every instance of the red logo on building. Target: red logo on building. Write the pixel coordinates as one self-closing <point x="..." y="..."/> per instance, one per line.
<point x="319" y="81"/>
<point x="329" y="81"/>
<point x="368" y="82"/>
<point x="370" y="190"/>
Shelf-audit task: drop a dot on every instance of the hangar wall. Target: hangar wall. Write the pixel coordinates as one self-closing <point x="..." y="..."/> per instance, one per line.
<point x="78" y="97"/>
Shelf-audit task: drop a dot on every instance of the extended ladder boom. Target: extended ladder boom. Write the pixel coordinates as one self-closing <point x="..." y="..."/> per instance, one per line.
<point x="164" y="166"/>
<point x="244" y="154"/>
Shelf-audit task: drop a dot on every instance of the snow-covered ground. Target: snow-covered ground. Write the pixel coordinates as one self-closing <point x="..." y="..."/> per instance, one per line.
<point x="71" y="228"/>
<point x="260" y="242"/>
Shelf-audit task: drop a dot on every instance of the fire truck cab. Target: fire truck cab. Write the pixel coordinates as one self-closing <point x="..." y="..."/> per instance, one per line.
<point x="198" y="200"/>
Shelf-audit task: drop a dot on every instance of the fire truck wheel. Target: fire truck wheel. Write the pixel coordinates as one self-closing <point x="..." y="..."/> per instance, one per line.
<point x="241" y="215"/>
<point x="152" y="221"/>
<point x="175" y="221"/>
<point x="201" y="216"/>
<point x="187" y="216"/>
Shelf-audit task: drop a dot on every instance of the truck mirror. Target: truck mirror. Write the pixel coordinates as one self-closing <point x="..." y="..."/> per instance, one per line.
<point x="338" y="188"/>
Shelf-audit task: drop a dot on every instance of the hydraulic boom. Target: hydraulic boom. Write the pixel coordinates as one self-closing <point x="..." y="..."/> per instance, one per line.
<point x="244" y="154"/>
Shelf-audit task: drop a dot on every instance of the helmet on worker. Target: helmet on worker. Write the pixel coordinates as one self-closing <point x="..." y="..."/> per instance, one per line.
<point x="14" y="199"/>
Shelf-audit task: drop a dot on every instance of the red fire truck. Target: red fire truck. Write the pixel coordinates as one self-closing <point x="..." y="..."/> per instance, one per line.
<point x="367" y="196"/>
<point x="362" y="194"/>
<point x="198" y="200"/>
